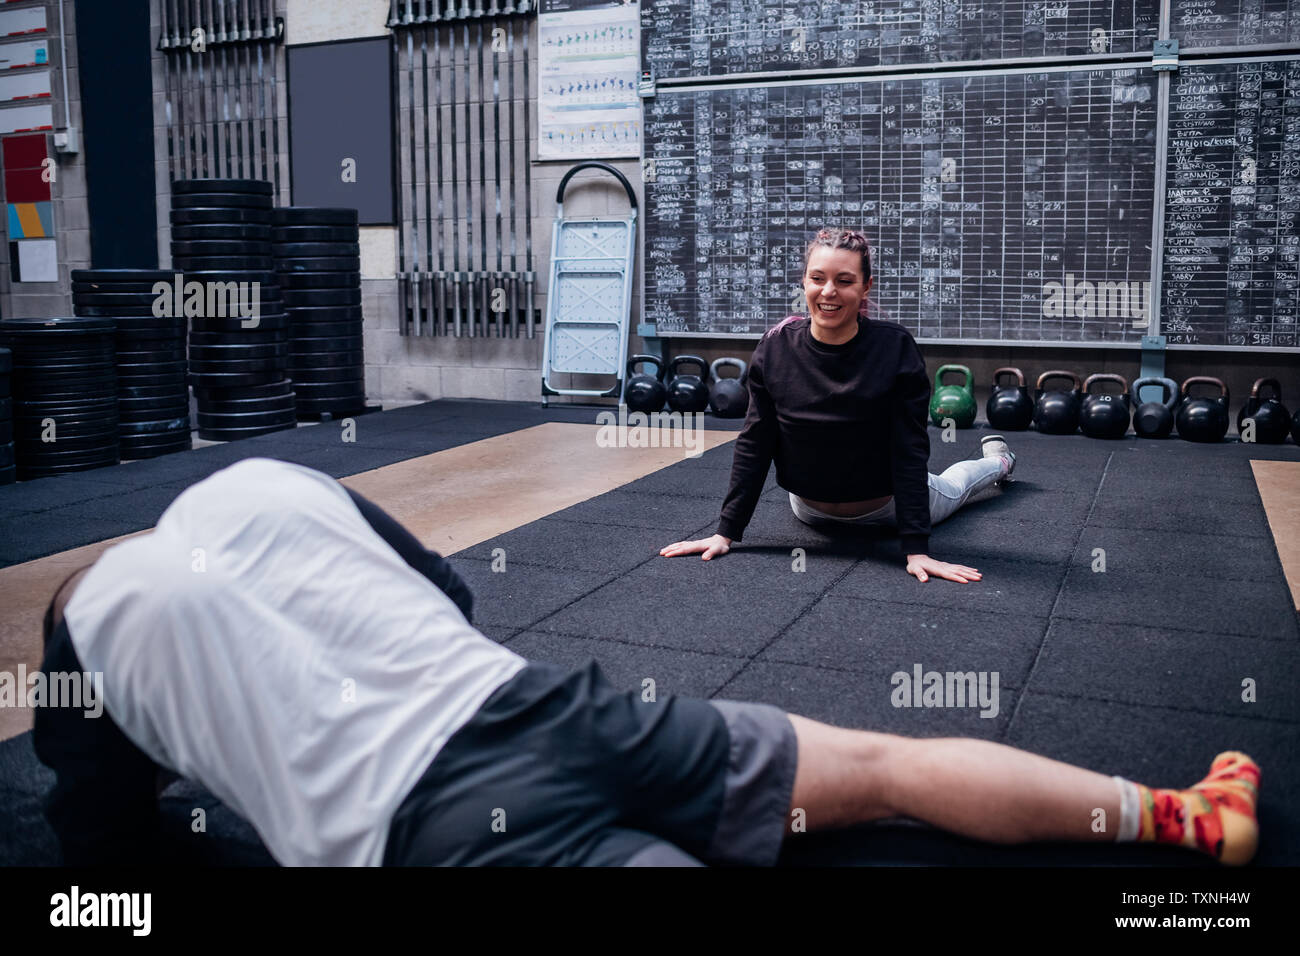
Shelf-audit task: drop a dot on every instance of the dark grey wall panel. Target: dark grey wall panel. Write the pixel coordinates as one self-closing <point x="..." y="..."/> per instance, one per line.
<point x="117" y="109"/>
<point x="341" y="107"/>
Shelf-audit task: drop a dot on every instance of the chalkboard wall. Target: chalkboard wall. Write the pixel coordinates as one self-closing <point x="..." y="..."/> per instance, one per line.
<point x="1234" y="24"/>
<point x="1013" y="198"/>
<point x="687" y="38"/>
<point x="693" y="38"/>
<point x="978" y="193"/>
<point x="1232" y="212"/>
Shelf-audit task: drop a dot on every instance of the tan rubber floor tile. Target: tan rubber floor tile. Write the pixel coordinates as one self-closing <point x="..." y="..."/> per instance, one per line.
<point x="1279" y="489"/>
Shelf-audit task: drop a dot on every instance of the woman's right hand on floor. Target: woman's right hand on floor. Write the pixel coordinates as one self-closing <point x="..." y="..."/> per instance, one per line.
<point x="710" y="547"/>
<point x="921" y="566"/>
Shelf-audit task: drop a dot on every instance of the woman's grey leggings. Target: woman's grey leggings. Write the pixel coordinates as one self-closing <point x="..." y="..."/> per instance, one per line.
<point x="964" y="482"/>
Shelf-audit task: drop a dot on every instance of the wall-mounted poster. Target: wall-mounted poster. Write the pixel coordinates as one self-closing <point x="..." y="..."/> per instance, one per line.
<point x="34" y="260"/>
<point x="588" y="58"/>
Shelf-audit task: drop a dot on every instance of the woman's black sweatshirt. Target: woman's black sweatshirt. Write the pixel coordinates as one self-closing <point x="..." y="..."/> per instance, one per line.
<point x="842" y="422"/>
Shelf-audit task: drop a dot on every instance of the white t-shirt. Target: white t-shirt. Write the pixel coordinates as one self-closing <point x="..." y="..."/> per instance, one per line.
<point x="265" y="642"/>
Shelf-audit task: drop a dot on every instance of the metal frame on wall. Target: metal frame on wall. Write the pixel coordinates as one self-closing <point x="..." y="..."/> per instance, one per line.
<point x="221" y="106"/>
<point x="1153" y="339"/>
<point x="1155" y="59"/>
<point x="491" y="291"/>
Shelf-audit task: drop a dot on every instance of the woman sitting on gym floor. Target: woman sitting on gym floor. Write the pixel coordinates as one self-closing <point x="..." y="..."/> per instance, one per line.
<point x="839" y="402"/>
<point x="286" y="644"/>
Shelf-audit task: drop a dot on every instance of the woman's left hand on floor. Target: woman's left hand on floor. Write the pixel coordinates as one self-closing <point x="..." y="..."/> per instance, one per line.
<point x="922" y="566"/>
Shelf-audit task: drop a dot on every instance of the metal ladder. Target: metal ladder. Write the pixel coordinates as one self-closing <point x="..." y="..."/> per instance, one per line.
<point x="589" y="294"/>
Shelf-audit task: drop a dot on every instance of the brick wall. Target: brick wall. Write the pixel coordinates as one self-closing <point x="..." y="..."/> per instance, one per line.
<point x="67" y="191"/>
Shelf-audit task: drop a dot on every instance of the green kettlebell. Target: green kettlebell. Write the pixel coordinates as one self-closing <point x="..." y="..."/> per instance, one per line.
<point x="953" y="401"/>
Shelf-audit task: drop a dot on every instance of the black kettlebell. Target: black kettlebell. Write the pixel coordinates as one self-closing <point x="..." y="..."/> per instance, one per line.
<point x="1155" y="419"/>
<point x="1102" y="414"/>
<point x="1202" y="419"/>
<point x="1272" y="420"/>
<point x="645" y="393"/>
<point x="687" y="393"/>
<point x="1057" y="412"/>
<point x="1009" y="408"/>
<point x="728" y="397"/>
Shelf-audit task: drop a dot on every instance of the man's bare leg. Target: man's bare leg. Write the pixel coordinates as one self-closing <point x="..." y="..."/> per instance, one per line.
<point x="976" y="788"/>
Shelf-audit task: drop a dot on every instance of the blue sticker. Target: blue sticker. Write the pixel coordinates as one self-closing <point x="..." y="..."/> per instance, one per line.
<point x="41" y="56"/>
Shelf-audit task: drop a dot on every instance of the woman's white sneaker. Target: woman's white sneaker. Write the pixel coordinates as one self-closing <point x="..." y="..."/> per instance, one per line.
<point x="995" y="446"/>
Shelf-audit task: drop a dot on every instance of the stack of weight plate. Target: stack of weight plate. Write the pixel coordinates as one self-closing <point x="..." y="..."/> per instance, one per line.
<point x="64" y="394"/>
<point x="7" y="470"/>
<point x="239" y="367"/>
<point x="153" y="397"/>
<point x="318" y="258"/>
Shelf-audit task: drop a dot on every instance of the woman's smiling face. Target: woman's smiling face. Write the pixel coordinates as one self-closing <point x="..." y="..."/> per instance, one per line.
<point x="834" y="288"/>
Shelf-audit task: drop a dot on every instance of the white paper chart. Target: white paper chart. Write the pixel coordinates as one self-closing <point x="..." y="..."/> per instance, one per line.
<point x="588" y="61"/>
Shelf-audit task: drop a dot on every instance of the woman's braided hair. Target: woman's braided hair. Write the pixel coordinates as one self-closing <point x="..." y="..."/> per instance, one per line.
<point x="834" y="237"/>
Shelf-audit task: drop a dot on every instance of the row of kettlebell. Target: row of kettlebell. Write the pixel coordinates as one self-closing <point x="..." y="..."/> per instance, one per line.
<point x="728" y="396"/>
<point x="1057" y="411"/>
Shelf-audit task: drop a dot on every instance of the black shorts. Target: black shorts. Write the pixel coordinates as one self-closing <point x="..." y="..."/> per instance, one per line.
<point x="557" y="768"/>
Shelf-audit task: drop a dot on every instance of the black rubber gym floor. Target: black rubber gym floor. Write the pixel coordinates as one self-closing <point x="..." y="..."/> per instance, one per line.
<point x="1136" y="670"/>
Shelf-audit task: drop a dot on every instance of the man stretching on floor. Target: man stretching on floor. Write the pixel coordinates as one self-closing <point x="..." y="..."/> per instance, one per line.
<point x="839" y="403"/>
<point x="284" y="643"/>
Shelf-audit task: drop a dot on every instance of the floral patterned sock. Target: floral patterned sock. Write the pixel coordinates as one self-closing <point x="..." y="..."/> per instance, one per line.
<point x="1215" y="816"/>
